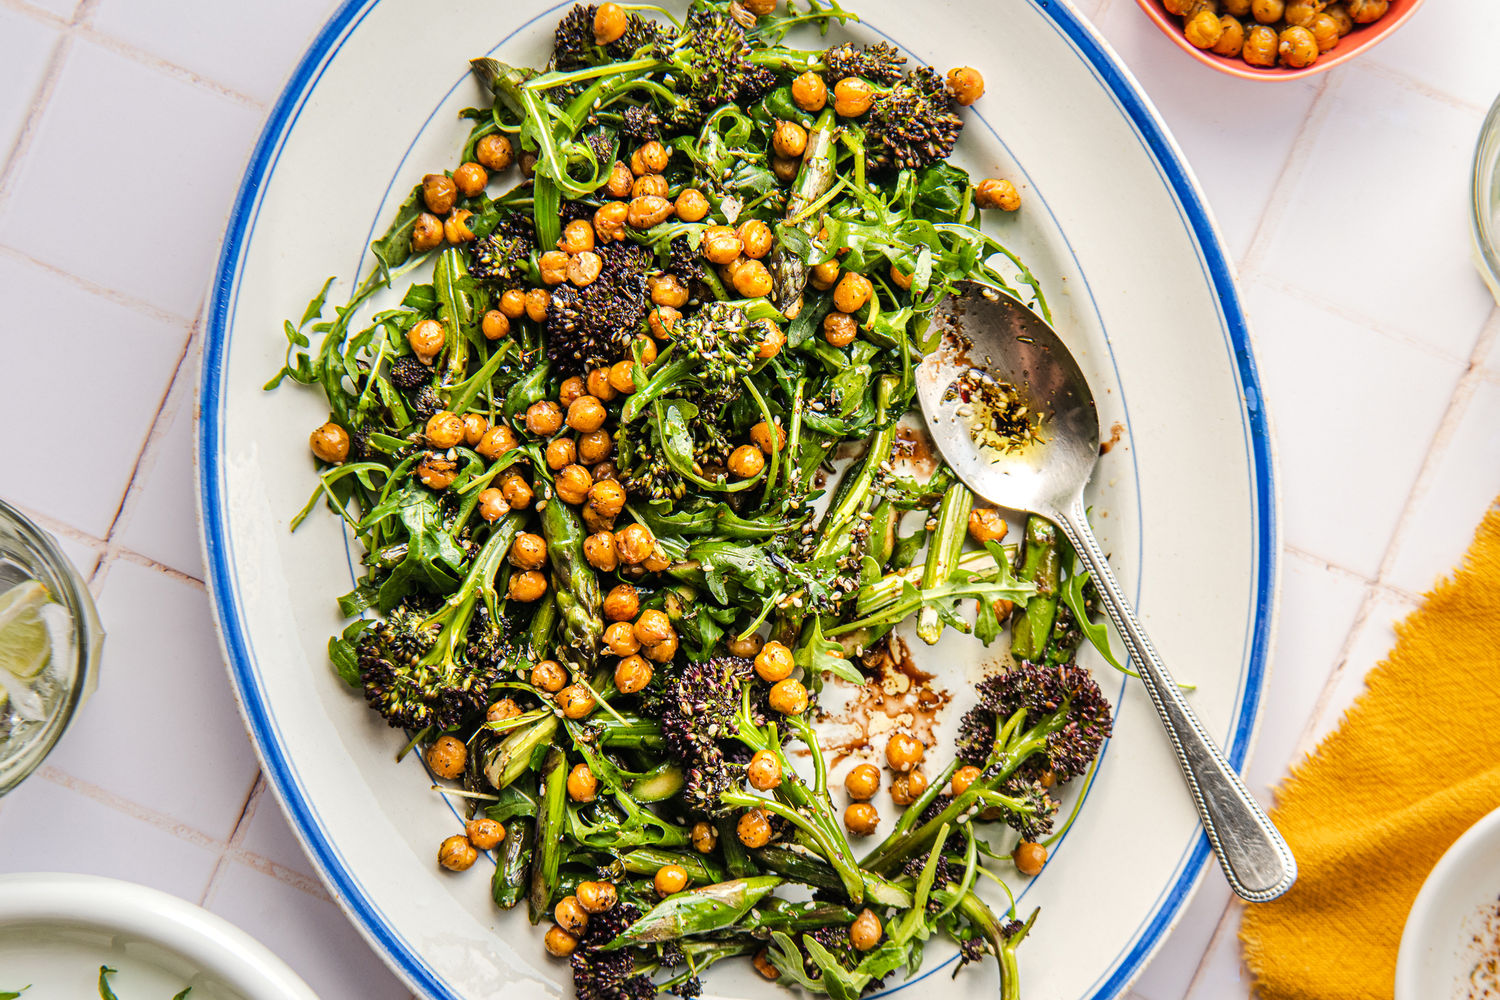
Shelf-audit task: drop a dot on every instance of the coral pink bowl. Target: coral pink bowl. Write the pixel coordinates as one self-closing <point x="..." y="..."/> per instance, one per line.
<point x="1358" y="41"/>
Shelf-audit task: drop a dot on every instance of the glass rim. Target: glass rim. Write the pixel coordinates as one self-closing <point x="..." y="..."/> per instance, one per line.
<point x="45" y="559"/>
<point x="1482" y="200"/>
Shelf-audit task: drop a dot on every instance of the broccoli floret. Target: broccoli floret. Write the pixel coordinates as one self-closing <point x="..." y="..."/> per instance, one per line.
<point x="609" y="975"/>
<point x="574" y="45"/>
<point x="700" y="704"/>
<point x="641" y="124"/>
<point x="421" y="668"/>
<point x="409" y="373"/>
<point x="592" y="326"/>
<point x="502" y="255"/>
<point x="1064" y="720"/>
<point x="424" y="402"/>
<point x="726" y="344"/>
<point x="912" y="124"/>
<point x="880" y="63"/>
<point x="714" y="60"/>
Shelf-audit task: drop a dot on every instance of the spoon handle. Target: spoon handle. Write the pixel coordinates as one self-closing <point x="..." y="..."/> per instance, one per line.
<point x="1256" y="860"/>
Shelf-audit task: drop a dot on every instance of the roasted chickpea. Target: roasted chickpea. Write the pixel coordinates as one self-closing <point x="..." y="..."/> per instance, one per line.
<point x="768" y="437"/>
<point x="500" y="711"/>
<point x="862" y="782"/>
<point x="650" y="184"/>
<point x="965" y="84"/>
<point x="544" y="418"/>
<point x="586" y="414"/>
<point x="554" y="267"/>
<point x="622" y="377"/>
<point x="852" y="292"/>
<point x="495" y="325"/>
<point x="622" y="603"/>
<point x="496" y="442"/>
<point x="997" y="192"/>
<point x="597" y="897"/>
<point x="900" y="278"/>
<point x="582" y="785"/>
<point x="599" y="550"/>
<point x="772" y="342"/>
<point x="852" y="97"/>
<point x="594" y="446"/>
<point x="597" y="384"/>
<point x="809" y="92"/>
<point x="570" y="916"/>
<point x="609" y="221"/>
<point x="789" y="139"/>
<point x="647" y="211"/>
<point x="1325" y="32"/>
<point x="572" y="484"/>
<point x="666" y="290"/>
<point x="752" y="280"/>
<point x="1203" y="30"/>
<point x="840" y="329"/>
<point x="760" y="8"/>
<point x="1301" y="12"/>
<point x="484" y="833"/>
<point x="559" y="943"/>
<point x="691" y="205"/>
<point x="561" y="452"/>
<point x="426" y="233"/>
<point x="516" y="491"/>
<point x="907" y="788"/>
<point x="861" y="819"/>
<point x="661" y="320"/>
<point x="1029" y="857"/>
<point x="749" y="646"/>
<point x="753" y="828"/>
<point x="329" y="443"/>
<point x="785" y="168"/>
<point x="584" y="268"/>
<point x="652" y="627"/>
<point x="494" y="152"/>
<point x="963" y="778"/>
<point x="1236" y="8"/>
<point x="633" y="544"/>
<point x="593" y="522"/>
<point x="670" y="879"/>
<point x="550" y="676"/>
<point x="1297" y="47"/>
<point x="577" y="236"/>
<point x="774" y="662"/>
<point x="610" y="23"/>
<point x="705" y="837"/>
<point x="746" y="461"/>
<point x="1232" y="37"/>
<point x="456" y="853"/>
<point x="825" y="274"/>
<point x="528" y="551"/>
<point x="903" y="752"/>
<point x="756" y="238"/>
<point x="444" y="430"/>
<point x="866" y="932"/>
<point x="492" y="505"/>
<point x="620" y="180"/>
<point x="1260" y="46"/>
<point x="655" y="156"/>
<point x="986" y="524"/>
<point x="456" y="226"/>
<point x="447" y="756"/>
<point x="619" y="637"/>
<point x="527" y="586"/>
<point x="439" y="193"/>
<point x="576" y="701"/>
<point x="1267" y="11"/>
<point x="528" y="164"/>
<point x="470" y="179"/>
<point x="722" y="247"/>
<point x="426" y="339"/>
<point x="788" y="697"/>
<point x="436" y="472"/>
<point x="538" y="301"/>
<point x="763" y="771"/>
<point x="763" y="965"/>
<point x="632" y="673"/>
<point x="513" y="303"/>
<point x="1367" y="11"/>
<point x="1341" y="18"/>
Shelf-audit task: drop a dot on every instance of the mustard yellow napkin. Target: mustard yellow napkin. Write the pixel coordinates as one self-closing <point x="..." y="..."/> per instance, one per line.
<point x="1414" y="763"/>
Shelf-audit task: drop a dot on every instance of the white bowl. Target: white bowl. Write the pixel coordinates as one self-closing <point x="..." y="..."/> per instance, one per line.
<point x="56" y="930"/>
<point x="1453" y="925"/>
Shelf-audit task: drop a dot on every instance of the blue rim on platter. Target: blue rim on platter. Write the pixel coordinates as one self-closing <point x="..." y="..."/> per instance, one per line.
<point x="280" y="769"/>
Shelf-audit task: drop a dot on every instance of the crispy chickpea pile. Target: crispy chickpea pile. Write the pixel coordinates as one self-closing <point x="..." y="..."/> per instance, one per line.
<point x="1268" y="33"/>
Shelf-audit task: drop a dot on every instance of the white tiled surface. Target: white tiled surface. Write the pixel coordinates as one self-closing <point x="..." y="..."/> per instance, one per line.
<point x="1342" y="198"/>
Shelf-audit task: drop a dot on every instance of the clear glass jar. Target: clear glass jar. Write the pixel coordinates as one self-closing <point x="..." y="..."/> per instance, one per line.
<point x="38" y="709"/>
<point x="1484" y="222"/>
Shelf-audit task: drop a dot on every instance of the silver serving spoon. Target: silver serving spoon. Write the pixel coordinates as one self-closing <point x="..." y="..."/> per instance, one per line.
<point x="994" y="333"/>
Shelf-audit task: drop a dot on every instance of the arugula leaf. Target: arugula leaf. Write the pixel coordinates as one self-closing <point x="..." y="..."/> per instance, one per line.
<point x="1095" y="631"/>
<point x="819" y="654"/>
<point x="105" y="993"/>
<point x="13" y="994"/>
<point x="432" y="561"/>
<point x="393" y="249"/>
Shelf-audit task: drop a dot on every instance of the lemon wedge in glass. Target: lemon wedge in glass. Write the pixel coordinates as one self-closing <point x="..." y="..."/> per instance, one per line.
<point x="25" y="644"/>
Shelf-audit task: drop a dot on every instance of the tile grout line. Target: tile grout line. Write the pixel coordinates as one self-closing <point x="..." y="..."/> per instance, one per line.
<point x="11" y="167"/>
<point x="236" y="834"/>
<point x="1399" y="77"/>
<point x="1209" y="948"/>
<point x="123" y="299"/>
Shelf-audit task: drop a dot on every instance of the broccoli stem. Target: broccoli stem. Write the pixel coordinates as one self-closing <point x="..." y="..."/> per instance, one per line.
<point x="854" y="492"/>
<point x="551" y="818"/>
<point x="942" y="553"/>
<point x="1031" y="627"/>
<point x="701" y="869"/>
<point x="1003" y="942"/>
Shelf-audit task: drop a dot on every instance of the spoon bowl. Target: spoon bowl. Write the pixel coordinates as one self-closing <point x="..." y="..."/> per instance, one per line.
<point x="991" y="345"/>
